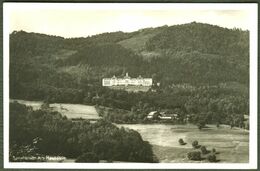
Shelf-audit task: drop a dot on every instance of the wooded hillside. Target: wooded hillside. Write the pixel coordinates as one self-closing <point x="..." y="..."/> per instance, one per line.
<point x="197" y="65"/>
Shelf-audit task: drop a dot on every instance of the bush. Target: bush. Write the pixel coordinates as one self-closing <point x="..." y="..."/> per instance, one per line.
<point x="203" y="150"/>
<point x="201" y="125"/>
<point x="89" y="157"/>
<point x="181" y="142"/>
<point x="195" y="144"/>
<point x="194" y="155"/>
<point x="213" y="150"/>
<point x="212" y="158"/>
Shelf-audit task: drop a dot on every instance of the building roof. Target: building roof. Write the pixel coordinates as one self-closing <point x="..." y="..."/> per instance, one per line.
<point x="127" y="76"/>
<point x="140" y="77"/>
<point x="152" y="113"/>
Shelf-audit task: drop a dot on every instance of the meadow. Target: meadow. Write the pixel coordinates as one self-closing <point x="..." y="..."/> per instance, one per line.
<point x="71" y="111"/>
<point x="232" y="145"/>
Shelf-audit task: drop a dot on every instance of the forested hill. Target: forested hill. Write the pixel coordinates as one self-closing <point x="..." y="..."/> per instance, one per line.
<point x="194" y="53"/>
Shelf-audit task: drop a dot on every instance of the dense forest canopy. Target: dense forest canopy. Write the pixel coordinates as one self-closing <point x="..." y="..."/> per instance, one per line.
<point x="192" y="51"/>
<point x="202" y="69"/>
<point x="43" y="132"/>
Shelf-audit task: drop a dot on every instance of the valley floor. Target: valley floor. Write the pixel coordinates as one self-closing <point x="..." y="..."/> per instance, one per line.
<point x="232" y="144"/>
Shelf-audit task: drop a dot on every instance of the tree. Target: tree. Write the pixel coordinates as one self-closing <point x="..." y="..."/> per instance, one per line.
<point x="203" y="150"/>
<point x="194" y="155"/>
<point x="201" y="125"/>
<point x="181" y="142"/>
<point x="195" y="144"/>
<point x="212" y="158"/>
<point x="202" y="120"/>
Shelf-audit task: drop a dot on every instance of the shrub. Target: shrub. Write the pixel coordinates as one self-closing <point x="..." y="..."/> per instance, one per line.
<point x="181" y="142"/>
<point x="212" y="158"/>
<point x="89" y="157"/>
<point x="195" y="144"/>
<point x="213" y="150"/>
<point x="194" y="155"/>
<point x="203" y="150"/>
<point x="201" y="125"/>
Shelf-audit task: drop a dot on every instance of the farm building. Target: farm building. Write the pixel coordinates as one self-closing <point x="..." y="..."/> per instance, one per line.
<point x="152" y="114"/>
<point x="162" y="116"/>
<point x="165" y="117"/>
<point x="126" y="81"/>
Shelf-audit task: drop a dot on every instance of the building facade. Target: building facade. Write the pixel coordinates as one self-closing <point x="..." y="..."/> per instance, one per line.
<point x="127" y="81"/>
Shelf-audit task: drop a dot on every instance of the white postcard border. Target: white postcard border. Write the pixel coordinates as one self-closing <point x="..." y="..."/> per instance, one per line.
<point x="253" y="86"/>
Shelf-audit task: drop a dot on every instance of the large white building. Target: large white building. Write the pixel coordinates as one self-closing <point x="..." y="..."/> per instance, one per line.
<point x="126" y="81"/>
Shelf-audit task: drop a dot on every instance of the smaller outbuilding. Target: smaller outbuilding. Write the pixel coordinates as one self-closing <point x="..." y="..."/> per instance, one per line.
<point x="162" y="116"/>
<point x="152" y="114"/>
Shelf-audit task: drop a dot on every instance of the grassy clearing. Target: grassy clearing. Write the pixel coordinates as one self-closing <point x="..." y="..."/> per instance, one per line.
<point x="34" y="104"/>
<point x="71" y="111"/>
<point x="63" y="53"/>
<point x="232" y="144"/>
<point x="137" y="43"/>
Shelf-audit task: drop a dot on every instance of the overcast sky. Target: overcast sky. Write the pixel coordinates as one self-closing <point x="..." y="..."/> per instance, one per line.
<point x="81" y="20"/>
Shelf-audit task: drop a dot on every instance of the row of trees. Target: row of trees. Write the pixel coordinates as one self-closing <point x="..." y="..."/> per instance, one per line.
<point x="200" y="152"/>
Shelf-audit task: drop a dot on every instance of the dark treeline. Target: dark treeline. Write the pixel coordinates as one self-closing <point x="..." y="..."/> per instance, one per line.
<point x="217" y="105"/>
<point x="211" y="60"/>
<point x="44" y="132"/>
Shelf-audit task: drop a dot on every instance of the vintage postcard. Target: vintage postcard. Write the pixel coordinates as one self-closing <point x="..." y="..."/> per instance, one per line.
<point x="130" y="85"/>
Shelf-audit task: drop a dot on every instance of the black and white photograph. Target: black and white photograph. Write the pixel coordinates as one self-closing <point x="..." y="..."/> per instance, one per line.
<point x="130" y="85"/>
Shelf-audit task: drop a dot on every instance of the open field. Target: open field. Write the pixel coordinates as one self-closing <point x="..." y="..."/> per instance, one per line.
<point x="71" y="111"/>
<point x="34" y="104"/>
<point x="232" y="144"/>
